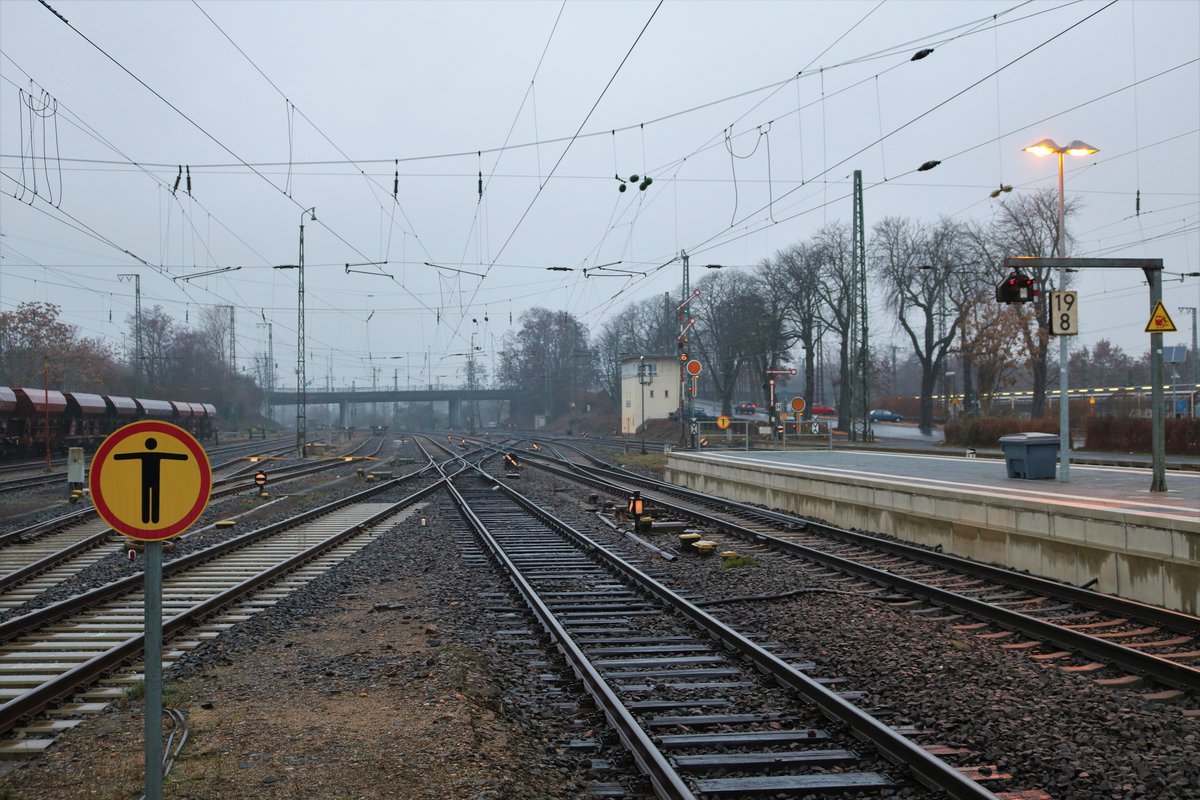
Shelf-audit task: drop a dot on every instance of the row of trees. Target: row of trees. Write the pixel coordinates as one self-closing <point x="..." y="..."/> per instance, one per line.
<point x="936" y="279"/>
<point x="178" y="362"/>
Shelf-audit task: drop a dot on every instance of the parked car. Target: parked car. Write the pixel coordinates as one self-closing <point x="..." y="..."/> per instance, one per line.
<point x="824" y="411"/>
<point x="746" y="408"/>
<point x="701" y="414"/>
<point x="883" y="415"/>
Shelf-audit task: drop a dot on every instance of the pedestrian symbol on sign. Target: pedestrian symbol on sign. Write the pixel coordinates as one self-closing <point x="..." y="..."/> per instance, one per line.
<point x="151" y="475"/>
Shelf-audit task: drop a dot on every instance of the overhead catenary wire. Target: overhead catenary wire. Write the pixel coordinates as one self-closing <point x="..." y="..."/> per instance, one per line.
<point x="566" y="149"/>
<point x="884" y="53"/>
<point x="710" y="242"/>
<point x="616" y="238"/>
<point x="217" y="141"/>
<point x="294" y="109"/>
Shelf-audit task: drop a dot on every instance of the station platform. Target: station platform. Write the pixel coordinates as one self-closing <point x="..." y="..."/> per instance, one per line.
<point x="1104" y="524"/>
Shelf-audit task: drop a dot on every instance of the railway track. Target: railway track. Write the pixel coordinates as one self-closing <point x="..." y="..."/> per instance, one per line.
<point x="237" y="465"/>
<point x="1050" y="621"/>
<point x="60" y="651"/>
<point x="684" y="691"/>
<point x="35" y="558"/>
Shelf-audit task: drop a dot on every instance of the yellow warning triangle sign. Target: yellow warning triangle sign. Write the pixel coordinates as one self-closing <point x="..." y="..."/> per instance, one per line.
<point x="1160" y="320"/>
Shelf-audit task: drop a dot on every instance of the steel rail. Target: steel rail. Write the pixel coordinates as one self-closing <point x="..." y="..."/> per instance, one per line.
<point x="35" y="568"/>
<point x="40" y="697"/>
<point x="926" y="768"/>
<point x="18" y="625"/>
<point x="666" y="781"/>
<point x="1170" y="673"/>
<point x="1173" y="620"/>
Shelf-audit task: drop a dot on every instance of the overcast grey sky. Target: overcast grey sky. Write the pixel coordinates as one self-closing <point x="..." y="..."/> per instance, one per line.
<point x="750" y="117"/>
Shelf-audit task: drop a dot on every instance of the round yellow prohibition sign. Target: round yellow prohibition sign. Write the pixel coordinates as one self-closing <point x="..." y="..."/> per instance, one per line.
<point x="722" y="422"/>
<point x="150" y="480"/>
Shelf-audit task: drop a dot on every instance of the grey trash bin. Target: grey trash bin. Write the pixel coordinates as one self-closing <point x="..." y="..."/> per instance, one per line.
<point x="1030" y="455"/>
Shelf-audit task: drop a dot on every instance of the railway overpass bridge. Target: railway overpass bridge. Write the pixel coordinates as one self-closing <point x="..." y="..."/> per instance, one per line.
<point x="344" y="398"/>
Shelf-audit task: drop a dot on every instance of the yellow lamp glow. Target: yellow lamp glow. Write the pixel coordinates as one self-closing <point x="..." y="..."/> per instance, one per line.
<point x="1078" y="148"/>
<point x="1045" y="147"/>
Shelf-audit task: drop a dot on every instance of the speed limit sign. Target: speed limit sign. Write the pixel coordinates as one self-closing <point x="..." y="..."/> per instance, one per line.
<point x="1064" y="313"/>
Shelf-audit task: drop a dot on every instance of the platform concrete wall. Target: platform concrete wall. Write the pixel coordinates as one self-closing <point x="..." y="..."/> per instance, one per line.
<point x="1151" y="558"/>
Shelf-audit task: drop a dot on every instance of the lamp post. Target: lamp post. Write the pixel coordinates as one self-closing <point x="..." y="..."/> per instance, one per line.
<point x="301" y="383"/>
<point x="1195" y="357"/>
<point x="1192" y="358"/>
<point x="1076" y="148"/>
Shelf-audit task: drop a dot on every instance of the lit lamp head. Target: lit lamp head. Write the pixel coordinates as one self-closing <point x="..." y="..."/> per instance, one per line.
<point x="1078" y="148"/>
<point x="1045" y="147"/>
<point x="1048" y="147"/>
<point x="636" y="504"/>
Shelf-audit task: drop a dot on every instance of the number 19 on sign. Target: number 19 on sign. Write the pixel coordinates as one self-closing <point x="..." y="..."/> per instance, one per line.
<point x="1064" y="314"/>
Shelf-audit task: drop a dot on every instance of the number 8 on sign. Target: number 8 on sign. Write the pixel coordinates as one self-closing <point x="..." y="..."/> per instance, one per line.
<point x="1064" y="313"/>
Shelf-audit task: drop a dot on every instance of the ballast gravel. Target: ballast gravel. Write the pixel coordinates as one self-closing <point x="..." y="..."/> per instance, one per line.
<point x="1051" y="730"/>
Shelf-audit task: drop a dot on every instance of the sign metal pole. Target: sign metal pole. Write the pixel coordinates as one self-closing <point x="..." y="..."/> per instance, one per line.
<point x="165" y="506"/>
<point x="153" y="671"/>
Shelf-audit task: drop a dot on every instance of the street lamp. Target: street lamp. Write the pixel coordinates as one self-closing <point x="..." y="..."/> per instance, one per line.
<point x="1076" y="148"/>
<point x="301" y="389"/>
<point x="1195" y="357"/>
<point x="1192" y="358"/>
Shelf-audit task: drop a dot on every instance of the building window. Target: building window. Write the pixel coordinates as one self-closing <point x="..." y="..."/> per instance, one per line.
<point x="628" y="403"/>
<point x="666" y="392"/>
<point x="636" y="369"/>
<point x="652" y="393"/>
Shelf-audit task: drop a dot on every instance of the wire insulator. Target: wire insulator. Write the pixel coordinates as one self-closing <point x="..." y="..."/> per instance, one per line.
<point x="178" y="178"/>
<point x="189" y="180"/>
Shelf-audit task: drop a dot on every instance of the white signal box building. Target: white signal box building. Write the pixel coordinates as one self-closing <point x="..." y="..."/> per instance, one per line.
<point x="649" y="389"/>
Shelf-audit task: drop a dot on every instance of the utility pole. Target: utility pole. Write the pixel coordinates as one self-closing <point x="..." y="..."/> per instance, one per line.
<point x="232" y="344"/>
<point x="301" y="383"/>
<point x="685" y="403"/>
<point x="857" y="393"/>
<point x="471" y="383"/>
<point x="137" y="326"/>
<point x="269" y="377"/>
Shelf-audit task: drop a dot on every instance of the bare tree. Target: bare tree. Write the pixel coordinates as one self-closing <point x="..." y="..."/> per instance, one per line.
<point x="795" y="273"/>
<point x="34" y="343"/>
<point x="924" y="280"/>
<point x="549" y="359"/>
<point x="992" y="349"/>
<point x="1027" y="225"/>
<point x="837" y="288"/>
<point x="159" y="334"/>
<point x="725" y="312"/>
<point x="614" y="341"/>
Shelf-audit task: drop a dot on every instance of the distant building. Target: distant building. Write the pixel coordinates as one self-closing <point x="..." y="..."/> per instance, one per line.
<point x="649" y="379"/>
